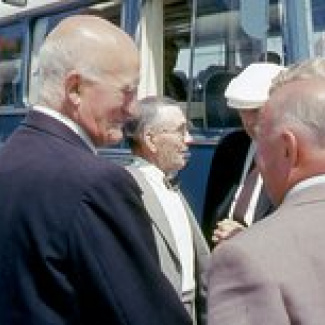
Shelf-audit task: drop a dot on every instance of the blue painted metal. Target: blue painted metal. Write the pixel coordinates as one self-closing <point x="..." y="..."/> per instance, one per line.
<point x="298" y="30"/>
<point x="194" y="177"/>
<point x="8" y="123"/>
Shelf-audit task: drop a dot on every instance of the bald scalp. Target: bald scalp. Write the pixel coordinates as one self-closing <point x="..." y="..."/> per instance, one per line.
<point x="91" y="37"/>
<point x="89" y="28"/>
<point x="86" y="44"/>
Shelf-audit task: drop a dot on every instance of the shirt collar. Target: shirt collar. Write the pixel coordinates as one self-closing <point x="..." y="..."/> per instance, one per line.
<point x="311" y="181"/>
<point x="148" y="168"/>
<point x="69" y="123"/>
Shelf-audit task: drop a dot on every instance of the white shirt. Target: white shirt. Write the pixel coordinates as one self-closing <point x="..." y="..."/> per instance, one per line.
<point x="249" y="215"/>
<point x="69" y="123"/>
<point x="178" y="221"/>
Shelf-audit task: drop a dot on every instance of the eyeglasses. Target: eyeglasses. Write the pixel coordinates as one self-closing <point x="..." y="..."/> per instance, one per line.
<point x="181" y="131"/>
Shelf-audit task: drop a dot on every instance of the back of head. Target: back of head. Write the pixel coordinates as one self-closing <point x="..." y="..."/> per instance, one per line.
<point x="82" y="43"/>
<point x="291" y="133"/>
<point x="250" y="88"/>
<point x="298" y="96"/>
<point x="307" y="69"/>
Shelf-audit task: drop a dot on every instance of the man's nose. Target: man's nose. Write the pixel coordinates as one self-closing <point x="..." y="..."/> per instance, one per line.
<point x="188" y="138"/>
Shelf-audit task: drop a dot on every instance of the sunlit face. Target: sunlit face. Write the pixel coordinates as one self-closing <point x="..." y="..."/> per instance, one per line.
<point x="171" y="139"/>
<point x="108" y="99"/>
<point x="271" y="157"/>
<point x="106" y="105"/>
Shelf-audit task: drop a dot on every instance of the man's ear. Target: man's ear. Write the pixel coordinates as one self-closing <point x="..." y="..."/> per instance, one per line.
<point x="149" y="140"/>
<point x="291" y="148"/>
<point x="72" y="87"/>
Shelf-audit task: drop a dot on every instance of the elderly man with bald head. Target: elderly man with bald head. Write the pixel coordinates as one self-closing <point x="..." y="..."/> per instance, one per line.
<point x="76" y="246"/>
<point x="273" y="272"/>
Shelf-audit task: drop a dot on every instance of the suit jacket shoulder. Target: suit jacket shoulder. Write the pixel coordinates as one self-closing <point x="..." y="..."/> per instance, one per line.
<point x="165" y="242"/>
<point x="271" y="272"/>
<point x="79" y="236"/>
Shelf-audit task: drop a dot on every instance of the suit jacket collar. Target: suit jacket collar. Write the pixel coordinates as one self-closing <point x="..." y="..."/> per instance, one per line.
<point x="156" y="212"/>
<point x="306" y="195"/>
<point x="52" y="126"/>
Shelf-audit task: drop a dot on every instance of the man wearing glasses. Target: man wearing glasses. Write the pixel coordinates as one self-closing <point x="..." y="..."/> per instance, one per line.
<point x="159" y="140"/>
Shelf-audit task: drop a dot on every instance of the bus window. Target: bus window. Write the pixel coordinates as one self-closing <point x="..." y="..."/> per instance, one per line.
<point x="177" y="16"/>
<point x="226" y="40"/>
<point x="177" y="28"/>
<point x="174" y="80"/>
<point x="110" y="10"/>
<point x="11" y="52"/>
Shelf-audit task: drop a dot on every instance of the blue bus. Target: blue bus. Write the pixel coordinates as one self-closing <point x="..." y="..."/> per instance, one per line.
<point x="190" y="49"/>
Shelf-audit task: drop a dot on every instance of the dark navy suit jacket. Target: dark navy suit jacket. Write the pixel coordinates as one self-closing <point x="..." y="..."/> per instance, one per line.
<point x="76" y="246"/>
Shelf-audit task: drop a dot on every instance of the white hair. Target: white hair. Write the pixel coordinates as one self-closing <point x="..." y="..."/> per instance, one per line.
<point x="149" y="116"/>
<point x="306" y="107"/>
<point x="57" y="57"/>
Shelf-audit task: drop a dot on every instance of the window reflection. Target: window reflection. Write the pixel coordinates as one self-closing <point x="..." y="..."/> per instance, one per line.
<point x="177" y="15"/>
<point x="226" y="40"/>
<point x="11" y="47"/>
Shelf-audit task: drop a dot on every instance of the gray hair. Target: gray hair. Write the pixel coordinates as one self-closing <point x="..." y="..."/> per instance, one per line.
<point x="57" y="57"/>
<point x="305" y="108"/>
<point x="304" y="70"/>
<point x="149" y="117"/>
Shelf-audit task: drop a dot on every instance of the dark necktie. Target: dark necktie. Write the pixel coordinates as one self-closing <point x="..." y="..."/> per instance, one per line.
<point x="171" y="183"/>
<point x="245" y="196"/>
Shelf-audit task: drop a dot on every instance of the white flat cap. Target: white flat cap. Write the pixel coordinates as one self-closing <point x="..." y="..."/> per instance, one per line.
<point x="250" y="88"/>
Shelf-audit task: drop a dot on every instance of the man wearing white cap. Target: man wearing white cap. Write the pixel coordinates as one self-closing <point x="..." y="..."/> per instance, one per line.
<point x="247" y="93"/>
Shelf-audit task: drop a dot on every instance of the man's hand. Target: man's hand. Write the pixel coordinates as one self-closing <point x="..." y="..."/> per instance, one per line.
<point x="226" y="229"/>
